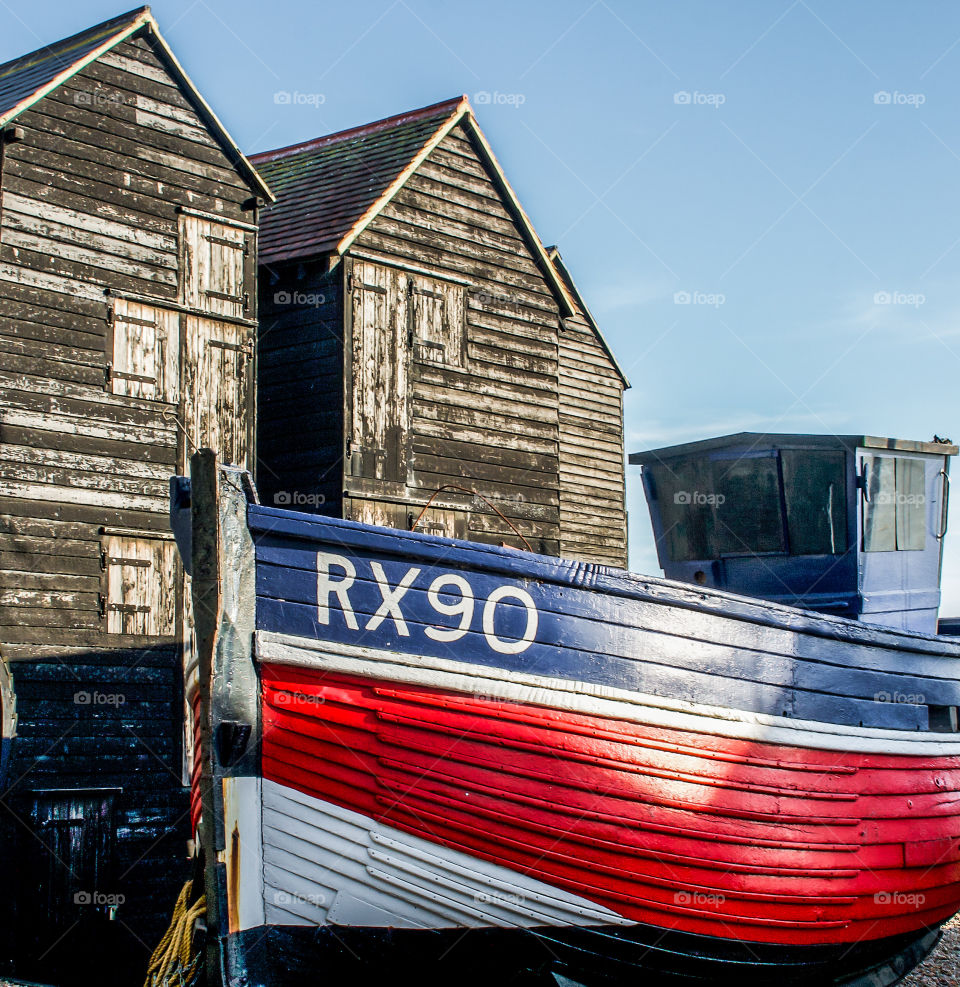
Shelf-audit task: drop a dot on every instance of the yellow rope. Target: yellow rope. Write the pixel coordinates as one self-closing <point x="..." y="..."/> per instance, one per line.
<point x="172" y="956"/>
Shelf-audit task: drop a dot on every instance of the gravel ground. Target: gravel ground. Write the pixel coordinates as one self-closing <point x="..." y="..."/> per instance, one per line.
<point x="942" y="967"/>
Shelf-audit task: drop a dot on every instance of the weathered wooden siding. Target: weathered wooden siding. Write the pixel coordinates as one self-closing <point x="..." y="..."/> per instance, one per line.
<point x="488" y="421"/>
<point x="300" y="374"/>
<point x="89" y="206"/>
<point x="593" y="521"/>
<point x="95" y="388"/>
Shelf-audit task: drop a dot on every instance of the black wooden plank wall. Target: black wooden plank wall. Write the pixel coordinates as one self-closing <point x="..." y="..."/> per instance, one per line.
<point x="94" y="720"/>
<point x="300" y="388"/>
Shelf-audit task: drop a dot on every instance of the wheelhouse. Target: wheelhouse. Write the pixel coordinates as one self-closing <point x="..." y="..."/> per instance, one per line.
<point x="849" y="525"/>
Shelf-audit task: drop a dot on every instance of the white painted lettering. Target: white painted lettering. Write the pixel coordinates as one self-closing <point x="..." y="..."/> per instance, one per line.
<point x="340" y="588"/>
<point x="391" y="599"/>
<point x="489" y="613"/>
<point x="463" y="608"/>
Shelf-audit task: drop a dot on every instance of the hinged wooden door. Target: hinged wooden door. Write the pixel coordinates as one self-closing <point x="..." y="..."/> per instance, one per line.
<point x="378" y="438"/>
<point x="218" y="388"/>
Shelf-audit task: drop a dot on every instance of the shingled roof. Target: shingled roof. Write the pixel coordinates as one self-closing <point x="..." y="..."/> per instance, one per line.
<point x="329" y="189"/>
<point x="25" y="80"/>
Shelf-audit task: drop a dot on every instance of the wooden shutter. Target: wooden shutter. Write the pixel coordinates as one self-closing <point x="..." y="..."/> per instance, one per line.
<point x="145" y="352"/>
<point x="213" y="260"/>
<point x="437" y="321"/>
<point x="138" y="595"/>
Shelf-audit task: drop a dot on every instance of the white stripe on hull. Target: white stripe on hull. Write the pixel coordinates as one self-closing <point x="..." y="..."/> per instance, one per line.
<point x="326" y="865"/>
<point x="595" y="699"/>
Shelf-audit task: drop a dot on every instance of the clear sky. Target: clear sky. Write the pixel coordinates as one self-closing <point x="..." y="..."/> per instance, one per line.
<point x="792" y="168"/>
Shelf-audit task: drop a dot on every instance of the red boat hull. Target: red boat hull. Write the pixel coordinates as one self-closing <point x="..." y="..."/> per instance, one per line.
<point x="685" y="831"/>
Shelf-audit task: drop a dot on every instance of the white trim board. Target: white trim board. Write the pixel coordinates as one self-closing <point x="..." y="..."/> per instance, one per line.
<point x="596" y="700"/>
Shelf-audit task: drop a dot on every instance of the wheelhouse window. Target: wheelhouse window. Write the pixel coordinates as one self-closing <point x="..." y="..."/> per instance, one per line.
<point x="894" y="504"/>
<point x="790" y="502"/>
<point x="748" y="510"/>
<point x="815" y="496"/>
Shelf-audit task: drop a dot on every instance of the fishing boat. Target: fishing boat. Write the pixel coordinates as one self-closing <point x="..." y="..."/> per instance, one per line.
<point x="8" y="722"/>
<point x="418" y="756"/>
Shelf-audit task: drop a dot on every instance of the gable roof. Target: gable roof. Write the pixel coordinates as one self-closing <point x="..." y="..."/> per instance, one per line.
<point x="557" y="261"/>
<point x="330" y="189"/>
<point x="27" y="79"/>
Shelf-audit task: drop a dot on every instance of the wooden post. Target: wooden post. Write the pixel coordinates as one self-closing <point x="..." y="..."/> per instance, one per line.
<point x="207" y="606"/>
<point x="224" y="603"/>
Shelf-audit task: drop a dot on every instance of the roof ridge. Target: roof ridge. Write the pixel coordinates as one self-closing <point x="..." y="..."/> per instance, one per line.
<point x="64" y="45"/>
<point x="387" y="123"/>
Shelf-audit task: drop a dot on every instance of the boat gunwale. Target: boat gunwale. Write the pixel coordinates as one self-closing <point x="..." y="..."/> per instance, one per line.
<point x="591" y="576"/>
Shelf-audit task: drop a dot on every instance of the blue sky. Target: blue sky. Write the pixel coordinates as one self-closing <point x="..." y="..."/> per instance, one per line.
<point x="790" y="167"/>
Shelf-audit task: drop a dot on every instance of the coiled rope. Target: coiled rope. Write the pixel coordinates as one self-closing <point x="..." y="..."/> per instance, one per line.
<point x="171" y="963"/>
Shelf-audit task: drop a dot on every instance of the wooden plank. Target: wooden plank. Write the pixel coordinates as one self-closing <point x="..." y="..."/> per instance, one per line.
<point x="26" y="456"/>
<point x="91" y="494"/>
<point x="92" y="162"/>
<point x="485" y="381"/>
<point x="60" y="599"/>
<point x="82" y="425"/>
<point x="498" y="455"/>
<point x="119" y="130"/>
<point x="482" y="401"/>
<point x="84" y="270"/>
<point x="509" y="251"/>
<point x="16" y="542"/>
<point x="49" y="618"/>
<point x="516" y="428"/>
<point x="80" y="222"/>
<point x="68" y="565"/>
<point x="412" y="200"/>
<point x="508" y="478"/>
<point x="13" y="579"/>
<point x="403" y="240"/>
<point x="505" y="496"/>
<point x="46" y="281"/>
<point x="142" y="265"/>
<point x="20" y="354"/>
<point x="75" y="184"/>
<point x="476" y="433"/>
